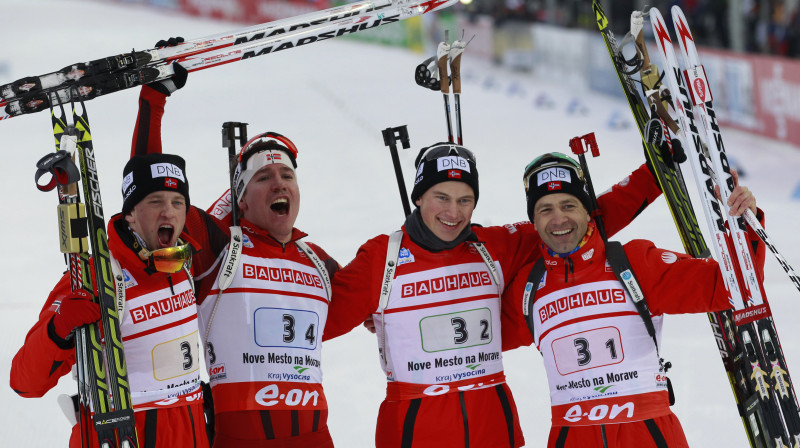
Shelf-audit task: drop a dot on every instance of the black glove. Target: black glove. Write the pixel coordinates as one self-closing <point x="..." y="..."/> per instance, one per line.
<point x="178" y="80"/>
<point x="171" y="42"/>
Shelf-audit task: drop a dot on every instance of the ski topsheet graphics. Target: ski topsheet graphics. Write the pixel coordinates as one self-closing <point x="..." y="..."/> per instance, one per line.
<point x="746" y="337"/>
<point x="107" y="75"/>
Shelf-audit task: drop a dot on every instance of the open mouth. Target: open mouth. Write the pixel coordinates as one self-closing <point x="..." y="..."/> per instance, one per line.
<point x="165" y="233"/>
<point x="280" y="206"/>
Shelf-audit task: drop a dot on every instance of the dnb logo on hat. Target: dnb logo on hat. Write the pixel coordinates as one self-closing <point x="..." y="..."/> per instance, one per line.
<point x="166" y="170"/>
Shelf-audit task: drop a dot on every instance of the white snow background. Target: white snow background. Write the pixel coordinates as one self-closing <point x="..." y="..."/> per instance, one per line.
<point x="333" y="99"/>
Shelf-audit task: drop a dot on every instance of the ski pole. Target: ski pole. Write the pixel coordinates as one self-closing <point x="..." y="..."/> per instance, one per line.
<point x="390" y="138"/>
<point x="229" y="138"/>
<point x="454" y="55"/>
<point x="442" y="53"/>
<point x="579" y="146"/>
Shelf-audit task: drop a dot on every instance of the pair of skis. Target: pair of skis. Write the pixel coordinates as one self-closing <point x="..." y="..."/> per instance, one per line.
<point x="103" y="388"/>
<point x="746" y="337"/>
<point x="88" y="80"/>
<point x="765" y="367"/>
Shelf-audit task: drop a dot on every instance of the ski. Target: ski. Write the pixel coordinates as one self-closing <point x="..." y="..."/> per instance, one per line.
<point x="651" y="129"/>
<point x="765" y="366"/>
<point x="74" y="242"/>
<point x="105" y="379"/>
<point x="115" y="73"/>
<point x="746" y="381"/>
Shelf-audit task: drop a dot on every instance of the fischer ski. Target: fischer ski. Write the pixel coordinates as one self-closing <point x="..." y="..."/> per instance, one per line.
<point x="100" y="361"/>
<point x="107" y="75"/>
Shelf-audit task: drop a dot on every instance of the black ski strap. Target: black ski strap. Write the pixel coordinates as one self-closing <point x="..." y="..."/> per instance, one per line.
<point x="534" y="277"/>
<point x="616" y="257"/>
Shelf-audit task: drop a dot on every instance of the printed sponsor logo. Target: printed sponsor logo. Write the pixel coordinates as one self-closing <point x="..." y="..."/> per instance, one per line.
<point x="282" y="275"/>
<point x="451" y="162"/>
<point x="405" y="256"/>
<point x="130" y="282"/>
<point x="588" y="255"/>
<point x="668" y="257"/>
<point x="579" y="300"/>
<point x="511" y="228"/>
<point x="166" y="170"/>
<point x="271" y="395"/>
<point x="700" y="89"/>
<point x="554" y="174"/>
<point x="216" y="373"/>
<point x="127" y="181"/>
<point x="446" y="283"/>
<point x="247" y="243"/>
<point x="599" y="412"/>
<point x="163" y="307"/>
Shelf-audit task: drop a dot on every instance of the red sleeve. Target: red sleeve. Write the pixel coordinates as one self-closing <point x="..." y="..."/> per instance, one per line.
<point x="513" y="327"/>
<point x="213" y="237"/>
<point x="676" y="283"/>
<point x="147" y="133"/>
<point x="624" y="201"/>
<point x="40" y="362"/>
<point x="356" y="288"/>
<point x="512" y="245"/>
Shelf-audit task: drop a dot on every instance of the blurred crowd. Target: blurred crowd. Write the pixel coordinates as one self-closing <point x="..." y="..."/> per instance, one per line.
<point x="754" y="26"/>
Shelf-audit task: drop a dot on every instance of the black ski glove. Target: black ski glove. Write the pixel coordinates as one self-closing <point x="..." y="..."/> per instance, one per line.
<point x="178" y="80"/>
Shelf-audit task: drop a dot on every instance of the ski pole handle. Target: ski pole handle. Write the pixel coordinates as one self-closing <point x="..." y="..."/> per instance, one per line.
<point x="229" y="138"/>
<point x="390" y="138"/>
<point x="577" y="146"/>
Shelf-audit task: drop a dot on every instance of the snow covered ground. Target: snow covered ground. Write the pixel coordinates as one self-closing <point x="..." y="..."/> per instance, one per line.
<point x="333" y="99"/>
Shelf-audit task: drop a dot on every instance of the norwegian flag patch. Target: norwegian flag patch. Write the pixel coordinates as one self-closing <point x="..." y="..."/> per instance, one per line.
<point x="553" y="186"/>
<point x="454" y="174"/>
<point x="170" y="183"/>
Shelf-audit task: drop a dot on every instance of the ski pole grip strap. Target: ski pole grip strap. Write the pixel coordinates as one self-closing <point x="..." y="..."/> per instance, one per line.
<point x="60" y="166"/>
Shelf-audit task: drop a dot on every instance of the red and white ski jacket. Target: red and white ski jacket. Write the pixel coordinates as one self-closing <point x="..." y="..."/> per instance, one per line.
<point x="161" y="342"/>
<point x="262" y="394"/>
<point x="601" y="363"/>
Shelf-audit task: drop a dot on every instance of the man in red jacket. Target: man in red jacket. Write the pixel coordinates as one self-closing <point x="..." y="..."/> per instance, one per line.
<point x="607" y="385"/>
<point x="433" y="290"/>
<point x="263" y="331"/>
<point x="158" y="323"/>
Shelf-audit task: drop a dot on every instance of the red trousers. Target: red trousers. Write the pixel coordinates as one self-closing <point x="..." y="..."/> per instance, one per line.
<point x="272" y="429"/>
<point x="659" y="432"/>
<point x="178" y="427"/>
<point x="483" y="418"/>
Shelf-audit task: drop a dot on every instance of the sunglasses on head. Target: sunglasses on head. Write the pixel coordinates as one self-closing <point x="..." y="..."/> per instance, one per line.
<point x="443" y="150"/>
<point x="268" y="141"/>
<point x="550" y="160"/>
